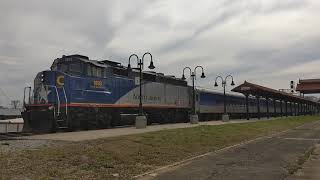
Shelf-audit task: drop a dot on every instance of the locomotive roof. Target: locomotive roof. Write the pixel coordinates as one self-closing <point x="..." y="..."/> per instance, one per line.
<point x="219" y="92"/>
<point x="114" y="64"/>
<point x="233" y="94"/>
<point x="103" y="63"/>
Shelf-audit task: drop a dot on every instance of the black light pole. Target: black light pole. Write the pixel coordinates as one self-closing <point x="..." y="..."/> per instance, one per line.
<point x="140" y="65"/>
<point x="193" y="76"/>
<point x="224" y="83"/>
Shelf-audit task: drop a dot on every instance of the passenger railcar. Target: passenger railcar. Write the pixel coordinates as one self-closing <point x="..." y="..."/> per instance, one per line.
<point x="210" y="106"/>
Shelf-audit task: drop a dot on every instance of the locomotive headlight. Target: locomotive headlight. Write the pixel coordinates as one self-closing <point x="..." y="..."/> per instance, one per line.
<point x="42" y="78"/>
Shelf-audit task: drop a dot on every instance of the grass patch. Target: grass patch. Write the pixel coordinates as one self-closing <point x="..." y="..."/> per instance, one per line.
<point x="127" y="156"/>
<point x="300" y="161"/>
<point x="292" y="168"/>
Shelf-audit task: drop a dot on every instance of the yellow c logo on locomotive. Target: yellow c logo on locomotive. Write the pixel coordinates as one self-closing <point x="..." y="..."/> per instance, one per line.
<point x="60" y="80"/>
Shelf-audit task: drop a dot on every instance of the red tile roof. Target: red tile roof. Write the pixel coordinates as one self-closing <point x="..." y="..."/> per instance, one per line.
<point x="257" y="90"/>
<point x="309" y="86"/>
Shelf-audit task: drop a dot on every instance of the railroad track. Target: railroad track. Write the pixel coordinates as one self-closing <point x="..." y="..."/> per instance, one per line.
<point x="13" y="135"/>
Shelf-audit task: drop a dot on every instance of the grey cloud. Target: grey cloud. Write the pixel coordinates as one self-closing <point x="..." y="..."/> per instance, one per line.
<point x="185" y="41"/>
<point x="34" y="33"/>
<point x="277" y="59"/>
<point x="231" y="9"/>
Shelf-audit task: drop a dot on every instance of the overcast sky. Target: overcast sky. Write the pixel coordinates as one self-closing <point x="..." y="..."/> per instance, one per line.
<point x="268" y="42"/>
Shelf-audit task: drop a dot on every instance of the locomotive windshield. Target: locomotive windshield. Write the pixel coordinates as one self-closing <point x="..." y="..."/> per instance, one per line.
<point x="79" y="67"/>
<point x="69" y="66"/>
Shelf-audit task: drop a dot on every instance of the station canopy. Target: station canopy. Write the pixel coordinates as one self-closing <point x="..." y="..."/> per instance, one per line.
<point x="248" y="88"/>
<point x="308" y="86"/>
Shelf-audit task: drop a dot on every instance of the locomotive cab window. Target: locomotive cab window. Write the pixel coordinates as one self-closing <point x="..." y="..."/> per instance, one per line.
<point x="54" y="66"/>
<point x="73" y="68"/>
<point x="63" y="67"/>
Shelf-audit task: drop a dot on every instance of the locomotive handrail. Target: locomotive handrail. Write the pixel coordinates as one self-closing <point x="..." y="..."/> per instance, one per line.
<point x="66" y="100"/>
<point x="24" y="95"/>
<point x="58" y="98"/>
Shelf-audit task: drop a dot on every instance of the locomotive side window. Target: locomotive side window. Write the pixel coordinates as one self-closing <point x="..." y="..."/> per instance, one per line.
<point x="75" y="68"/>
<point x="98" y="72"/>
<point x="89" y="71"/>
<point x="95" y="71"/>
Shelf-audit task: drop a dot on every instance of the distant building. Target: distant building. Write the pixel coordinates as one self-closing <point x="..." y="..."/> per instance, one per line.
<point x="313" y="98"/>
<point x="308" y="86"/>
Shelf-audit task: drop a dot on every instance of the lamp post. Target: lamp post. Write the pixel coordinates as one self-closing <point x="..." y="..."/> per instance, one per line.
<point x="141" y="120"/>
<point x="225" y="116"/>
<point x="194" y="117"/>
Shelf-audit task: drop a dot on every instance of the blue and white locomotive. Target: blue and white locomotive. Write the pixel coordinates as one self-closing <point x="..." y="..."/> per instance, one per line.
<point x="79" y="93"/>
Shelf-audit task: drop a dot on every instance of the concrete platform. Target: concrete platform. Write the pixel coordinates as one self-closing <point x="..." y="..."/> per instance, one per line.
<point x="267" y="158"/>
<point x="104" y="133"/>
<point x="311" y="168"/>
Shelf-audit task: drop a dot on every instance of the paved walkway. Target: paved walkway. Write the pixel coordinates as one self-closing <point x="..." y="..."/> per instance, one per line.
<point x="266" y="158"/>
<point x="310" y="169"/>
<point x="104" y="133"/>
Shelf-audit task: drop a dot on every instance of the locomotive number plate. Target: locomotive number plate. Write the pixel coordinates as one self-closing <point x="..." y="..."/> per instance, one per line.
<point x="97" y="84"/>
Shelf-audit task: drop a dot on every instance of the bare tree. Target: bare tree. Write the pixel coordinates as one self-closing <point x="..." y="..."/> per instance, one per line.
<point x="15" y="103"/>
